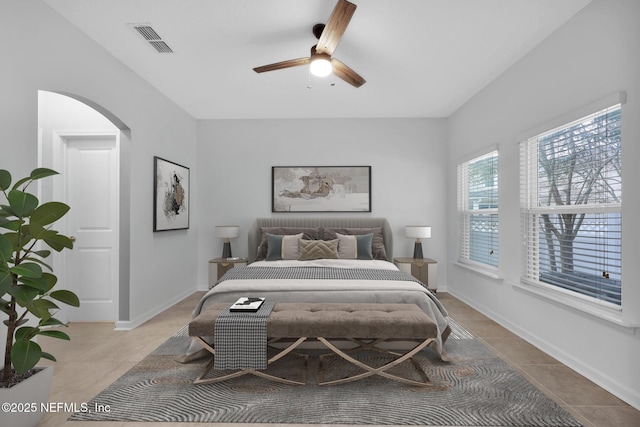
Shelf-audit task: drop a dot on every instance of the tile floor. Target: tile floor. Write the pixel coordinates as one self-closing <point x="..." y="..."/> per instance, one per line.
<point x="97" y="355"/>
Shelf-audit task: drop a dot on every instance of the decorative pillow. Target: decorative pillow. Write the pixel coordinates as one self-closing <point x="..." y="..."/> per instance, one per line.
<point x="307" y="233"/>
<point x="355" y="247"/>
<point x="282" y="247"/>
<point x="318" y="249"/>
<point x="377" y="243"/>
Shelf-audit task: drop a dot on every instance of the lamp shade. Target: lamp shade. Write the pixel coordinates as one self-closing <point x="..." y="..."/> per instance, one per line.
<point x="418" y="231"/>
<point x="320" y="65"/>
<point x="226" y="231"/>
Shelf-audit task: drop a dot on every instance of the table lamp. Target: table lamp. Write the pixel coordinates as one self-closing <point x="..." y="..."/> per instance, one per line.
<point x="226" y="232"/>
<point x="418" y="232"/>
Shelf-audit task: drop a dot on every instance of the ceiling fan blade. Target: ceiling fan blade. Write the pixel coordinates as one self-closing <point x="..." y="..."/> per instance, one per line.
<point x="347" y="74"/>
<point x="335" y="26"/>
<point x="281" y="65"/>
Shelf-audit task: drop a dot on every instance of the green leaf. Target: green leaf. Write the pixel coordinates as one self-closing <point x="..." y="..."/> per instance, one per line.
<point x="5" y="179"/>
<point x="39" y="232"/>
<point x="39" y="261"/>
<point x="55" y="334"/>
<point x="58" y="242"/>
<point x="25" y="355"/>
<point x="36" y="174"/>
<point x="14" y="238"/>
<point x="23" y="295"/>
<point x="49" y="356"/>
<point x="7" y="211"/>
<point x="45" y="304"/>
<point x="22" y="203"/>
<point x="51" y="280"/>
<point x="27" y="269"/>
<point x="52" y="321"/>
<point x="6" y="281"/>
<point x="6" y="249"/>
<point x="66" y="297"/>
<point x="41" y="308"/>
<point x="25" y="333"/>
<point x="39" y="283"/>
<point x="11" y="225"/>
<point x="40" y="173"/>
<point x="43" y="253"/>
<point x="48" y="213"/>
<point x="20" y="182"/>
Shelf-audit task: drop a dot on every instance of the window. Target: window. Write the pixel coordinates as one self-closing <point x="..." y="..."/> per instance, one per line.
<point x="478" y="211"/>
<point x="571" y="213"/>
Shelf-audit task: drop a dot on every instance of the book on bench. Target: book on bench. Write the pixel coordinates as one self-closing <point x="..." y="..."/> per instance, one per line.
<point x="247" y="304"/>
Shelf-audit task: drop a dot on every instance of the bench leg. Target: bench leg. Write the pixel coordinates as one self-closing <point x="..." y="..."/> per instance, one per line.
<point x="281" y="354"/>
<point x="369" y="371"/>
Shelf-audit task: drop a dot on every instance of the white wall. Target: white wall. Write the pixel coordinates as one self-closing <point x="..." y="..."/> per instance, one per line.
<point x="407" y="159"/>
<point x="594" y="55"/>
<point x="45" y="52"/>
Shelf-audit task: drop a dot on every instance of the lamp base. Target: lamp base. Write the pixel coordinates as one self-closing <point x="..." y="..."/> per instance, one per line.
<point x="417" y="251"/>
<point x="226" y="250"/>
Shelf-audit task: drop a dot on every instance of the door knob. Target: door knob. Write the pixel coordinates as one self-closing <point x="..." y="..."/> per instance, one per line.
<point x="72" y="238"/>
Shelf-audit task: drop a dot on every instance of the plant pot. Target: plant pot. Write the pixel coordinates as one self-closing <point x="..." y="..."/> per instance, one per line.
<point x="21" y="404"/>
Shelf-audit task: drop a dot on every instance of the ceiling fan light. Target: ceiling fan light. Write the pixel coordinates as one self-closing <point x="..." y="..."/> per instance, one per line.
<point x="320" y="66"/>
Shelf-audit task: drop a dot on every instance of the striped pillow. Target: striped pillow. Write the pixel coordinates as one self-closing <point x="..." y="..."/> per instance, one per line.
<point x="355" y="247"/>
<point x="283" y="247"/>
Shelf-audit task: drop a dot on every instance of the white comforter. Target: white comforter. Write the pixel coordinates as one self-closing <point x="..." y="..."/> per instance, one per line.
<point x="321" y="290"/>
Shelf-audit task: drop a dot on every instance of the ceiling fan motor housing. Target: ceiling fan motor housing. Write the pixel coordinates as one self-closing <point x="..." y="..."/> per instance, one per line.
<point x="317" y="30"/>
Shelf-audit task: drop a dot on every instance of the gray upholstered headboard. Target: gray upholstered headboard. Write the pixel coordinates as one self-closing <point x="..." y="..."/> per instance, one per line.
<point x="255" y="230"/>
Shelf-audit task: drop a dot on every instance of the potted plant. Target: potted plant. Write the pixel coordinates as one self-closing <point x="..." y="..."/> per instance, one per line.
<point x="27" y="282"/>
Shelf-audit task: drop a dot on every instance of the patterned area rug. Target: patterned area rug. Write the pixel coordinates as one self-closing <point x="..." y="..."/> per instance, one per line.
<point x="476" y="389"/>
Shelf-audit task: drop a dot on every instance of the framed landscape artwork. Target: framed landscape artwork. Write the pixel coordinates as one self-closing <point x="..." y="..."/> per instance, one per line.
<point x="321" y="189"/>
<point x="171" y="195"/>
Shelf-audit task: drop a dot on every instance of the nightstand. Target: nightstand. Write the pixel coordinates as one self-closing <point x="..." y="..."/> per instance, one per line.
<point x="423" y="269"/>
<point x="219" y="266"/>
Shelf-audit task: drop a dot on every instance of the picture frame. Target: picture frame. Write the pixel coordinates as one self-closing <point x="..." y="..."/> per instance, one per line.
<point x="170" y="195"/>
<point x="321" y="189"/>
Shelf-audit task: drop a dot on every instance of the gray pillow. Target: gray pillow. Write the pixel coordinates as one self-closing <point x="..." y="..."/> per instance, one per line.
<point x="377" y="243"/>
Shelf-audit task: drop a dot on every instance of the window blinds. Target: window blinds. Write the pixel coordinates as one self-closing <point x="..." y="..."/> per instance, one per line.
<point x="571" y="194"/>
<point x="478" y="210"/>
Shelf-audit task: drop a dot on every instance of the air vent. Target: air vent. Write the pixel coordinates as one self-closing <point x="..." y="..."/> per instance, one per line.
<point x="161" y="46"/>
<point x="152" y="37"/>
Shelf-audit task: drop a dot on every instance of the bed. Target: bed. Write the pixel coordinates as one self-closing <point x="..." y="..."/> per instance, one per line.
<point x="364" y="274"/>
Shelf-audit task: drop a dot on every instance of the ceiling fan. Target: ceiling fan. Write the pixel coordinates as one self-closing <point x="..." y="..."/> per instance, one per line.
<point x="320" y="62"/>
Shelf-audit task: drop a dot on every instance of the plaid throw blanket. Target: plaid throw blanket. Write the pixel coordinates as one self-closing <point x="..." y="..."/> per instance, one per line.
<point x="286" y="273"/>
<point x="240" y="339"/>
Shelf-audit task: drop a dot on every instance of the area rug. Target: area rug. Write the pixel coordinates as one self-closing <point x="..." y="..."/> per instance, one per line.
<point x="475" y="389"/>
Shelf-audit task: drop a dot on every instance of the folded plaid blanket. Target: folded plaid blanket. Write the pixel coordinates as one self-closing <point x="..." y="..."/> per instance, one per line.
<point x="240" y="339"/>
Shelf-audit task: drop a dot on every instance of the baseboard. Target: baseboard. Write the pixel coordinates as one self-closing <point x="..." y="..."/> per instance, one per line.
<point x="624" y="393"/>
<point x="127" y="325"/>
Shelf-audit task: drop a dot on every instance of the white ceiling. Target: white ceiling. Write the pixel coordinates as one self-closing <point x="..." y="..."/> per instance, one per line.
<point x="421" y="58"/>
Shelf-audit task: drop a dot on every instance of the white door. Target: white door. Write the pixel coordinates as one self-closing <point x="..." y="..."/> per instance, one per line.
<point x="89" y="185"/>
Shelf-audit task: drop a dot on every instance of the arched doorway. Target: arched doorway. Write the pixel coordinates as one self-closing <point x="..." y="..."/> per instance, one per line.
<point x="86" y="147"/>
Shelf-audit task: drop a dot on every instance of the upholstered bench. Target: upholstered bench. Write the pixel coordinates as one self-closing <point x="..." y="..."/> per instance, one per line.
<point x="367" y="325"/>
